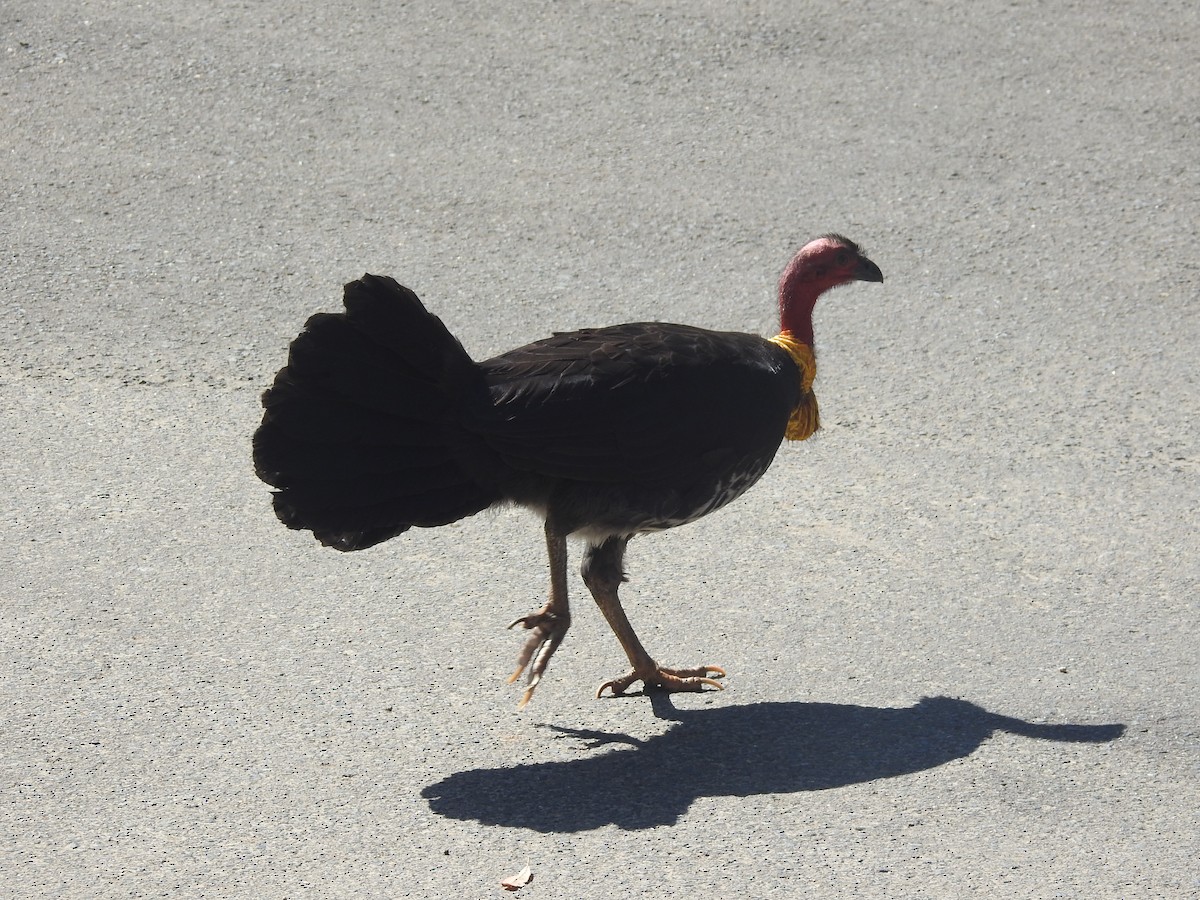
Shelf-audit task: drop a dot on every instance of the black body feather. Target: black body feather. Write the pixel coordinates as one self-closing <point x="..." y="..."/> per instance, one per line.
<point x="381" y="421"/>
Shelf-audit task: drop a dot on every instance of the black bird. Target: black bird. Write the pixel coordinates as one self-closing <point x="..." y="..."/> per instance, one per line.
<point x="381" y="421"/>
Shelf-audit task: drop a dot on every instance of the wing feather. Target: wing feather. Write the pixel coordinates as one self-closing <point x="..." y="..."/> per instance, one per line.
<point x="645" y="403"/>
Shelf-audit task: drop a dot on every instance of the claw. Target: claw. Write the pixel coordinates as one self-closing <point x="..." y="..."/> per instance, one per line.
<point x="526" y="697"/>
<point x="617" y="685"/>
<point x="526" y="649"/>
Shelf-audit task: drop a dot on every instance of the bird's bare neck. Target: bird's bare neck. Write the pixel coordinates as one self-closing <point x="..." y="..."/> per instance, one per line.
<point x="798" y="293"/>
<point x="795" y="318"/>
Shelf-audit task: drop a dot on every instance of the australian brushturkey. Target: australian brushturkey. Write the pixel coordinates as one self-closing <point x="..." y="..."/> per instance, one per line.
<point x="381" y="421"/>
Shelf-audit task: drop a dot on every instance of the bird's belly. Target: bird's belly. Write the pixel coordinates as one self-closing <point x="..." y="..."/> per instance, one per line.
<point x="641" y="510"/>
<point x="723" y="492"/>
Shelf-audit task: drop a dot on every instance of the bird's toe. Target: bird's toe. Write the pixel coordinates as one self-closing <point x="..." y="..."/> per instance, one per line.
<point x="546" y="632"/>
<point x="670" y="680"/>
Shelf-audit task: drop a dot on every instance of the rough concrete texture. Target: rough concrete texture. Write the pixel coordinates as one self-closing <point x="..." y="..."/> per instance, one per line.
<point x="960" y="623"/>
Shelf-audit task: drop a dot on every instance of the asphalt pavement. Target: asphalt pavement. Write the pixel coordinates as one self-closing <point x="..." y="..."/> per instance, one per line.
<point x="960" y="623"/>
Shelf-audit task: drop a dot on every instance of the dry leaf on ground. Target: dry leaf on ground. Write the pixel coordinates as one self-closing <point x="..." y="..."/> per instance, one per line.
<point x="518" y="881"/>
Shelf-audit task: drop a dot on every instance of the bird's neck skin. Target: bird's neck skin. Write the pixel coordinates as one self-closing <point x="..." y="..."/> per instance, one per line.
<point x="798" y="295"/>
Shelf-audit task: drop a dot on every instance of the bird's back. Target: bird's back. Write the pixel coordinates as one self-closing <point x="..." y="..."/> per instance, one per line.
<point x="636" y="427"/>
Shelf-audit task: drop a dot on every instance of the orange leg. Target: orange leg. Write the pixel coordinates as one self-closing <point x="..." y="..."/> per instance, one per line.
<point x="603" y="574"/>
<point x="548" y="626"/>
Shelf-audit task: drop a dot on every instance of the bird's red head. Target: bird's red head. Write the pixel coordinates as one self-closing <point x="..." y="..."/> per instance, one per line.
<point x="821" y="264"/>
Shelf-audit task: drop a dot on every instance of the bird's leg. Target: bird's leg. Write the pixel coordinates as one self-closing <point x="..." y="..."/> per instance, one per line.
<point x="603" y="574"/>
<point x="548" y="626"/>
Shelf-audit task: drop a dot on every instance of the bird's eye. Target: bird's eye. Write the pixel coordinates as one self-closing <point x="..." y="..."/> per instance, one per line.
<point x="843" y="258"/>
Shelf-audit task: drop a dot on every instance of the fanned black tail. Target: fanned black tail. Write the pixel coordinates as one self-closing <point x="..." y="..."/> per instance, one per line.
<point x="362" y="433"/>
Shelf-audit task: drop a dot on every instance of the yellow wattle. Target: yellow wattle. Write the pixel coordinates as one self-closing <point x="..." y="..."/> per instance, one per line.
<point x="804" y="419"/>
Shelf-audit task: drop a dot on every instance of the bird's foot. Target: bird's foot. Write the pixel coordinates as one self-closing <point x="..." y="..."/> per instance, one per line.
<point x="671" y="680"/>
<point x="546" y="632"/>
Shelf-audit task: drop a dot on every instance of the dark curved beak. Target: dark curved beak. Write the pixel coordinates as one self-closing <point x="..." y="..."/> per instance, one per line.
<point x="867" y="271"/>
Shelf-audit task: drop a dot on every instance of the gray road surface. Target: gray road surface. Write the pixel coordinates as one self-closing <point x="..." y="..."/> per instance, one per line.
<point x="960" y="623"/>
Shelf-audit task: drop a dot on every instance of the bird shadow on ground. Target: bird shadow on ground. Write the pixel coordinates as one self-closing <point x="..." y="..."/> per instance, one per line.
<point x="732" y="751"/>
